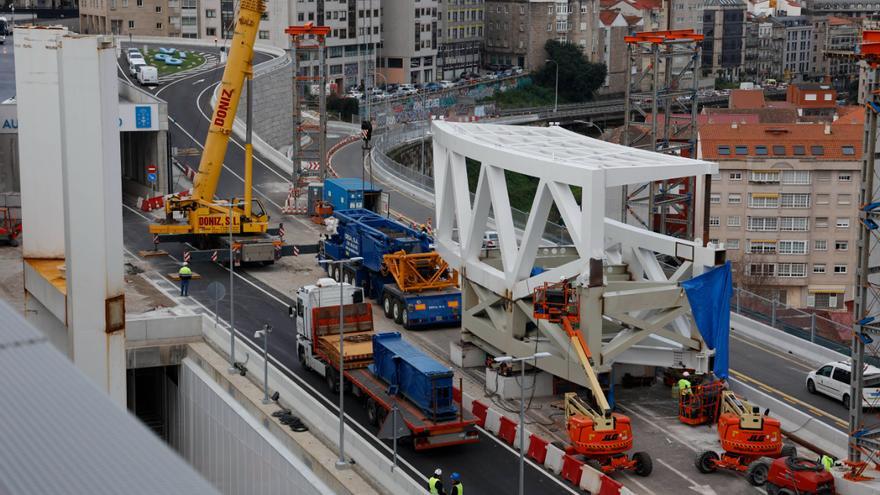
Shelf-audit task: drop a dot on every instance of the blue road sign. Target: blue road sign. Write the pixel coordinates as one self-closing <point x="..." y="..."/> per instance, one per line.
<point x="151" y="177"/>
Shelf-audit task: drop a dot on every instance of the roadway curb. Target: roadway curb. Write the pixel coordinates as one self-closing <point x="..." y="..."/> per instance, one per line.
<point x="539" y="450"/>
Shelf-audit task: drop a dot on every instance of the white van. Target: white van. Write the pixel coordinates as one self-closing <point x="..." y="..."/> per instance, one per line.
<point x="148" y="75"/>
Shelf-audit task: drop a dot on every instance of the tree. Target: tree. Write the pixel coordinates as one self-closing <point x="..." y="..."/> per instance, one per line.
<point x="578" y="77"/>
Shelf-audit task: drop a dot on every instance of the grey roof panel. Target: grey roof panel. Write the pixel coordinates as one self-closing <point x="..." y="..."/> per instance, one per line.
<point x="61" y="434"/>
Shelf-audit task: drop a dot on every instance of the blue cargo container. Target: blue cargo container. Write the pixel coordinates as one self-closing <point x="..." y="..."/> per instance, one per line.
<point x="366" y="234"/>
<point x="410" y="373"/>
<point x="348" y="193"/>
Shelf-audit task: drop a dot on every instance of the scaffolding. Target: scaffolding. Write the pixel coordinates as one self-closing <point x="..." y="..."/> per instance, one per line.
<point x="662" y="78"/>
<point x="864" y="436"/>
<point x="308" y="151"/>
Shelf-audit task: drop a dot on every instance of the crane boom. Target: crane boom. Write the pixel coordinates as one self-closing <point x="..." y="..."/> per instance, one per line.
<point x="238" y="67"/>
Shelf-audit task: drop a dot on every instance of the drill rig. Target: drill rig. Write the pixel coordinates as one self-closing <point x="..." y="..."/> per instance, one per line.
<point x="206" y="222"/>
<point x="601" y="436"/>
<point x="749" y="439"/>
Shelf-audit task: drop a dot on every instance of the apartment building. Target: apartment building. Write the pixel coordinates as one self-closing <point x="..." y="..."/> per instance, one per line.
<point x="835" y="41"/>
<point x="461" y="24"/>
<point x="410" y="41"/>
<point x="724" y="42"/>
<point x="686" y="14"/>
<point x="613" y="28"/>
<point x="134" y="17"/>
<point x="765" y="37"/>
<point x="785" y="201"/>
<point x="517" y="30"/>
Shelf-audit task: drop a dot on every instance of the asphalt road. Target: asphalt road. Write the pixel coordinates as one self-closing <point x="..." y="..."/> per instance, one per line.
<point x="257" y="304"/>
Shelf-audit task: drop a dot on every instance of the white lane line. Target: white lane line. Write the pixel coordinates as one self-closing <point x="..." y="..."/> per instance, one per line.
<point x="701" y="489"/>
<point x="645" y="489"/>
<point x="327" y="402"/>
<point x="532" y="463"/>
<point x="198" y="81"/>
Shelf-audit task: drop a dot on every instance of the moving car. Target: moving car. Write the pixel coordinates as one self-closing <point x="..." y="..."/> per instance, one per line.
<point x="134" y="65"/>
<point x="833" y="380"/>
<point x="148" y="76"/>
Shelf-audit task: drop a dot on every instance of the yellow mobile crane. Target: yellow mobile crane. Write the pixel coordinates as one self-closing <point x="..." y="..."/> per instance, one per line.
<point x="207" y="221"/>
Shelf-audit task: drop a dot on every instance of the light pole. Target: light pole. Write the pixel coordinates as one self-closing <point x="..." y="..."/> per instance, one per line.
<point x="522" y="402"/>
<point x="556" y="92"/>
<point x="341" y="463"/>
<point x="231" y="293"/>
<point x="267" y="329"/>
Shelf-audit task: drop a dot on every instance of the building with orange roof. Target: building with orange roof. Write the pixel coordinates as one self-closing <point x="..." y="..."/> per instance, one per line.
<point x="785" y="205"/>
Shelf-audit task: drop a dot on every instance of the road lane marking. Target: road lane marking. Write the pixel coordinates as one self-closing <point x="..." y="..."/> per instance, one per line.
<point x="703" y="489"/>
<point x="791" y="399"/>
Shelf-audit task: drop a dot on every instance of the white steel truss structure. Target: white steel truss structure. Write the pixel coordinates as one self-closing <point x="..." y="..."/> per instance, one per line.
<point x="637" y="314"/>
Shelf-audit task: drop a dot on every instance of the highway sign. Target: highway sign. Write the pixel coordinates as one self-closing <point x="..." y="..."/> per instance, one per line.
<point x="151" y="177"/>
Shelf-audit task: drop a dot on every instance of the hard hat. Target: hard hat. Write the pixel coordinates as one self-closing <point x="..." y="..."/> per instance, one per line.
<point x="438" y="472"/>
<point x="455" y="477"/>
<point x="686" y="374"/>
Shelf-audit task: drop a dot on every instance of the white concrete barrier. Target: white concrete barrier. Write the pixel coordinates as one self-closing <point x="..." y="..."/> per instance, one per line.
<point x="157" y="327"/>
<point x="778" y="339"/>
<point x="467" y="402"/>
<point x="553" y="461"/>
<point x="591" y="480"/>
<point x="493" y="421"/>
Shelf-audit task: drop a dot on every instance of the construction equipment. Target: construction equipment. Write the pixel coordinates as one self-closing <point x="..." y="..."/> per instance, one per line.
<point x="603" y="437"/>
<point x="749" y="439"/>
<point x="10" y="218"/>
<point x="701" y="405"/>
<point x="381" y="368"/>
<point x="796" y="475"/>
<point x="206" y="221"/>
<point x="400" y="269"/>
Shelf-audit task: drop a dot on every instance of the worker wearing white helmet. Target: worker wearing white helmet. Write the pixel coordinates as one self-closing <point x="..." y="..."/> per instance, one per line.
<point x="185" y="274"/>
<point x="684" y="385"/>
<point x="435" y="483"/>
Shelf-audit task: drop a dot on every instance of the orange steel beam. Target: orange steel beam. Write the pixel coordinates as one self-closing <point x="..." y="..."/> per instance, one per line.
<point x="663" y="36"/>
<point x="308" y="28"/>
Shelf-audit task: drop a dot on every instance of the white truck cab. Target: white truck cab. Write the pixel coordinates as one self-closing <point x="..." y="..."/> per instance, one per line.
<point x="323" y="293"/>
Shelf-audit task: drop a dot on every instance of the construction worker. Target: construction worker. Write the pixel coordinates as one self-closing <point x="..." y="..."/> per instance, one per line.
<point x="457" y="487"/>
<point x="185" y="276"/>
<point x="435" y="484"/>
<point x="684" y="385"/>
<point x="827" y="462"/>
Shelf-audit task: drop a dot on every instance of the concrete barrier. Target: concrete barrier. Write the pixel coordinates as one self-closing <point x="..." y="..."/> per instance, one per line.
<point x="796" y="424"/>
<point x="591" y="480"/>
<point x="146" y="327"/>
<point x="553" y="460"/>
<point x="493" y="421"/>
<point x="778" y="339"/>
<point x="373" y="463"/>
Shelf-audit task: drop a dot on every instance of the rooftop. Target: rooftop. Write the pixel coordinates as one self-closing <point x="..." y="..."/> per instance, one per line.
<point x="804" y="140"/>
<point x="746" y="98"/>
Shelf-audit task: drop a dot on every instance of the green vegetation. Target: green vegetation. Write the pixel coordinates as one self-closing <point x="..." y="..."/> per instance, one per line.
<point x="345" y="107"/>
<point x="578" y="77"/>
<point x="192" y="60"/>
<point x="528" y="96"/>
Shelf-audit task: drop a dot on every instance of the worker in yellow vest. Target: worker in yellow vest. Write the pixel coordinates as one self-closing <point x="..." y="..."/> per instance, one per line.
<point x="457" y="487"/>
<point x="185" y="276"/>
<point x="827" y="462"/>
<point x="684" y="385"/>
<point x="435" y="484"/>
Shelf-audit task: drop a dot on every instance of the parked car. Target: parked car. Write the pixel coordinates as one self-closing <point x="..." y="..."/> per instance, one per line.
<point x="432" y="86"/>
<point x="133" y="53"/>
<point x="832" y="379"/>
<point x="354" y="94"/>
<point x="148" y="76"/>
<point x="446" y="84"/>
<point x="134" y="65"/>
<point x="407" y="89"/>
<point x="490" y="239"/>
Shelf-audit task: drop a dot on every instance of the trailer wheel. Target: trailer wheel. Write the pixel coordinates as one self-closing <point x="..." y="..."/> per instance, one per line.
<point x="404" y="318"/>
<point x="301" y="354"/>
<point x="397" y="311"/>
<point x="644" y="464"/>
<point x="386" y="305"/>
<point x="372" y="412"/>
<point x="757" y="472"/>
<point x="706" y="461"/>
<point x="332" y="382"/>
<point x="788" y="450"/>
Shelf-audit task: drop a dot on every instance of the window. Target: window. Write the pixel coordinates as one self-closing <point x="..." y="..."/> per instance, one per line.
<point x="796" y="177"/>
<point x="762" y="247"/>
<point x="843" y="222"/>
<point x="778" y="150"/>
<point x="762" y="269"/>
<point x="158" y="9"/>
<point x="760" y="150"/>
<point x="841" y="245"/>
<point x="791" y="270"/>
<point x="734" y="198"/>
<point x="764" y="176"/>
<point x="840" y="268"/>
<point x="844" y="177"/>
<point x="211" y="31"/>
<point x="821" y="222"/>
<point x="732" y="244"/>
<point x="825" y="370"/>
<point x="742" y="150"/>
<point x="733" y="221"/>
<point x="212" y="13"/>
<point x="763" y="200"/>
<point x="819" y="268"/>
<point x="264" y="35"/>
<point x="820" y="245"/>
<point x="130" y="24"/>
<point x="841" y="375"/>
<point x="817" y="150"/>
<point x="825" y="300"/>
<point x="823" y="175"/>
<point x="844" y="199"/>
<point x="735" y="175"/>
<point x="714" y="221"/>
<point x="794" y="224"/>
<point x="140" y="3"/>
<point x="799" y="150"/>
<point x="823" y="199"/>
<point x="792" y="247"/>
<point x="763" y="224"/>
<point x="302" y="17"/>
<point x="158" y="25"/>
<point x="795" y="200"/>
<point x="848" y="150"/>
<point x="715" y="198"/>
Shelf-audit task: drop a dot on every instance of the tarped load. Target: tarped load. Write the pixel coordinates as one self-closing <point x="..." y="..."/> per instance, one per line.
<point x="709" y="296"/>
<point x="425" y="382"/>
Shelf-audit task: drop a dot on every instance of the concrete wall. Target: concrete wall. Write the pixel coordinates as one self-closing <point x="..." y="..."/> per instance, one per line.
<point x="227" y="445"/>
<point x="9" y="172"/>
<point x="273" y="107"/>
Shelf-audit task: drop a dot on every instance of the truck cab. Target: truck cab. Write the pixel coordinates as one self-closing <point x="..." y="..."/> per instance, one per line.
<point x="325" y="293"/>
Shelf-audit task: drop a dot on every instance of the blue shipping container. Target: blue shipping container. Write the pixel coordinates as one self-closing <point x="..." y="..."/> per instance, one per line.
<point x="347" y="193"/>
<point x="422" y="380"/>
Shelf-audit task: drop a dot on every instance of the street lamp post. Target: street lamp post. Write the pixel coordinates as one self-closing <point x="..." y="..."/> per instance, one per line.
<point x="556" y="92"/>
<point x="341" y="463"/>
<point x="267" y="329"/>
<point x="522" y="402"/>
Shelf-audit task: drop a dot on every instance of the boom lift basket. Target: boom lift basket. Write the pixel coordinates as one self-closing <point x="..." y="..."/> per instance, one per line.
<point x="701" y="406"/>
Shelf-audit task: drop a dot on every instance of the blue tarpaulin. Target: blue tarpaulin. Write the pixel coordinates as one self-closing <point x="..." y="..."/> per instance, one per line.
<point x="709" y="295"/>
